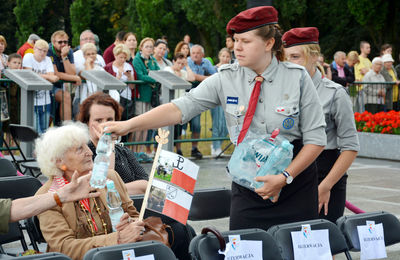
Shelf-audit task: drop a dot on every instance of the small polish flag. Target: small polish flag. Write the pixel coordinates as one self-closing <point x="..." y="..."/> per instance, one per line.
<point x="177" y="204"/>
<point x="185" y="180"/>
<point x="184" y="172"/>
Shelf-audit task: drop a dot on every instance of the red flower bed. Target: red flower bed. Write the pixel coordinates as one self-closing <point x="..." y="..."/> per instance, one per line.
<point x="382" y="122"/>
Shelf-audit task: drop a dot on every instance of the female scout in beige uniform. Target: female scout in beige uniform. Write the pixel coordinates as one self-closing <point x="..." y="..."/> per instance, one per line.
<point x="301" y="47"/>
<point x="287" y="100"/>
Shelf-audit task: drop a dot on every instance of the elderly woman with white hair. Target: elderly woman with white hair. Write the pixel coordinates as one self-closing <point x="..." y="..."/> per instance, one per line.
<point x="374" y="94"/>
<point x="91" y="62"/>
<point x="75" y="227"/>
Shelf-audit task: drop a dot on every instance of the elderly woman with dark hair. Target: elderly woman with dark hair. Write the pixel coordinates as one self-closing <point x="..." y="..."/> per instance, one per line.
<point x="75" y="227"/>
<point x="99" y="108"/>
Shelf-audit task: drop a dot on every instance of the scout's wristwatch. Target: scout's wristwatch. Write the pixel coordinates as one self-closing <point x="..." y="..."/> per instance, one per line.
<point x="288" y="177"/>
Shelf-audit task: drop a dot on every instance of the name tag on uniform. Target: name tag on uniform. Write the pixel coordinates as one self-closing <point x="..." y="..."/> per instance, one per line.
<point x="232" y="100"/>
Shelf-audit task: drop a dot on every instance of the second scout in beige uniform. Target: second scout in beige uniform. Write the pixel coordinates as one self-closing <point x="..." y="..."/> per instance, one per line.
<point x="341" y="136"/>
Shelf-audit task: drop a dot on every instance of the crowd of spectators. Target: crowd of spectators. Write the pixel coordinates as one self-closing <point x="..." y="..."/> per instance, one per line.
<point x="58" y="63"/>
<point x="354" y="68"/>
<point x="126" y="60"/>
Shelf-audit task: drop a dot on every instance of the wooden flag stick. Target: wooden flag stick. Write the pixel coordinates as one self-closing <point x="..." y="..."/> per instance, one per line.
<point x="161" y="138"/>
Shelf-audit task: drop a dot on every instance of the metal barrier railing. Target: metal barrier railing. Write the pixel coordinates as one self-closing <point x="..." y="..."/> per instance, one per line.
<point x="205" y="122"/>
<point x="374" y="96"/>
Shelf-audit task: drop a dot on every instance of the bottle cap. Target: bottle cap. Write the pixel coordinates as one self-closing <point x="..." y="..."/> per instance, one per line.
<point x="110" y="185"/>
<point x="286" y="145"/>
<point x="274" y="134"/>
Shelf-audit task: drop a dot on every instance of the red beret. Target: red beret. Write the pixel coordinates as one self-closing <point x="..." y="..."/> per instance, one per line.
<point x="300" y="36"/>
<point x="251" y="19"/>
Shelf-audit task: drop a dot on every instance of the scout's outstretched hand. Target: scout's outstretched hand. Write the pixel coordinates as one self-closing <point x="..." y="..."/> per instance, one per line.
<point x="120" y="128"/>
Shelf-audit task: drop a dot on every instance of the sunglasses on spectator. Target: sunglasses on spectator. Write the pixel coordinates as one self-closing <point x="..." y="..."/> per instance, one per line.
<point x="62" y="42"/>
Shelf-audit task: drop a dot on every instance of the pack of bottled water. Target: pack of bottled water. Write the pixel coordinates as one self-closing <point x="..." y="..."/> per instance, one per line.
<point x="259" y="155"/>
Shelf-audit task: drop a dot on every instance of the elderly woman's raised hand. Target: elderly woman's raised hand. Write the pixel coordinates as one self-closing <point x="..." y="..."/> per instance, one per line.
<point x="79" y="188"/>
<point x="132" y="231"/>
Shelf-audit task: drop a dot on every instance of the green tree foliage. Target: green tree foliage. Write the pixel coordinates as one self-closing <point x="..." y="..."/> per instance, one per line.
<point x="291" y="11"/>
<point x="210" y="19"/>
<point x="81" y="17"/>
<point x="42" y="17"/>
<point x="342" y="23"/>
<point x="8" y="24"/>
<point x="28" y="13"/>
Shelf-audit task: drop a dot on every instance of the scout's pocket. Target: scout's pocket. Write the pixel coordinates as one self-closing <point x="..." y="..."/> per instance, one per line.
<point x="288" y="114"/>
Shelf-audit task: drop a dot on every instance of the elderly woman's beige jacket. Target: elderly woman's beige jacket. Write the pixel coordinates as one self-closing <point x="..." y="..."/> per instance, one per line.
<point x="66" y="229"/>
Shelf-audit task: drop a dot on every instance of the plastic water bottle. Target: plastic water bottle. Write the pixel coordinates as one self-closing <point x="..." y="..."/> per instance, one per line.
<point x="114" y="204"/>
<point x="277" y="161"/>
<point x="105" y="144"/>
<point x="101" y="162"/>
<point x="264" y="147"/>
<point x="248" y="157"/>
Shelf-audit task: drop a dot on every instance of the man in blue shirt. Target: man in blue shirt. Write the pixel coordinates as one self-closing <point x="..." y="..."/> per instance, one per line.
<point x="62" y="57"/>
<point x="202" y="69"/>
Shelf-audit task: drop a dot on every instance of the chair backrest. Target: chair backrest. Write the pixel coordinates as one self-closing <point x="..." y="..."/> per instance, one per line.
<point x="18" y="186"/>
<point x="35" y="234"/>
<point x="348" y="226"/>
<point x="210" y="204"/>
<point x="23" y="133"/>
<point x="15" y="233"/>
<point x="159" y="250"/>
<point x="7" y="169"/>
<point x="137" y="201"/>
<point x="283" y="238"/>
<point x="53" y="255"/>
<point x="14" y="188"/>
<point x="206" y="246"/>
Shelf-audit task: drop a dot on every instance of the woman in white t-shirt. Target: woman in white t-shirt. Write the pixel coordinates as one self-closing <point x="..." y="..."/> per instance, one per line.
<point x="41" y="64"/>
<point x="123" y="71"/>
<point x="89" y="51"/>
<point x="183" y="71"/>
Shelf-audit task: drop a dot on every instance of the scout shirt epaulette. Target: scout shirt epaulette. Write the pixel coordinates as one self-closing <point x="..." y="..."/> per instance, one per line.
<point x="233" y="66"/>
<point x="331" y="84"/>
<point x="291" y="65"/>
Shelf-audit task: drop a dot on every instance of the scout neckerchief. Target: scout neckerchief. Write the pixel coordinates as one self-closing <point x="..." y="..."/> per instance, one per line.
<point x="251" y="108"/>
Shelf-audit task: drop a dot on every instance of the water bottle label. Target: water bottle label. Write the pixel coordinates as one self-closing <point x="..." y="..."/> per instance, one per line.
<point x="260" y="159"/>
<point x="115" y="216"/>
<point x="100" y="171"/>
